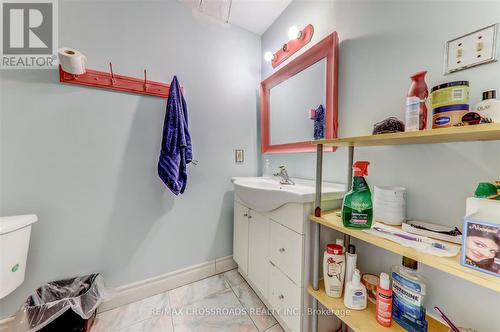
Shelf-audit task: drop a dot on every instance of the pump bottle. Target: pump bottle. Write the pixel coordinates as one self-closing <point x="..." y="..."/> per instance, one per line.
<point x="355" y="293"/>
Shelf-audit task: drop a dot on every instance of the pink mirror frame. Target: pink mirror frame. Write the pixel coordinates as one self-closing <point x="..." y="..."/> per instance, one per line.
<point x="327" y="48"/>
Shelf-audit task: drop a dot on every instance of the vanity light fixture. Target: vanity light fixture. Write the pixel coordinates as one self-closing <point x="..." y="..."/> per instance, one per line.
<point x="298" y="38"/>
<point x="268" y="56"/>
<point x="294" y="33"/>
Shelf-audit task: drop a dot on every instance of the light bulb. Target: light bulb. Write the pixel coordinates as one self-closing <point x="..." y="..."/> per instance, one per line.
<point x="294" y="32"/>
<point x="268" y="56"/>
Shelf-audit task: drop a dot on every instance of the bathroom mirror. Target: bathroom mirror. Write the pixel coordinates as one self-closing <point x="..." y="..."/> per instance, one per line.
<point x="290" y="102"/>
<point x="287" y="96"/>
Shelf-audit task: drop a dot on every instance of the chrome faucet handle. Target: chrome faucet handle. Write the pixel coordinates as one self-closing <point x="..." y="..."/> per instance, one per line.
<point x="283" y="175"/>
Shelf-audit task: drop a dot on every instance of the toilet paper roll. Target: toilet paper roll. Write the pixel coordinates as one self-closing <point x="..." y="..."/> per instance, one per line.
<point x="72" y="61"/>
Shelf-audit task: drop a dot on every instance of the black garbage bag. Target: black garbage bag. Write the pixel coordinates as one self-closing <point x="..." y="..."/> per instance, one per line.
<point x="63" y="305"/>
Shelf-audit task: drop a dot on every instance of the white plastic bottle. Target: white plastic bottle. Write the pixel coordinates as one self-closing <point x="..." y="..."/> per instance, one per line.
<point x="350" y="262"/>
<point x="334" y="270"/>
<point x="355" y="293"/>
<point x="266" y="169"/>
<point x="341" y="242"/>
<point x="489" y="108"/>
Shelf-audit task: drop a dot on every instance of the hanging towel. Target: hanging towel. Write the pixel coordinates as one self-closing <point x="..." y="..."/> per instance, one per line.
<point x="176" y="150"/>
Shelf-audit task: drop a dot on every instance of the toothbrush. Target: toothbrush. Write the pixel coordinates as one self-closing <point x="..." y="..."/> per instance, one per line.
<point x="411" y="238"/>
<point x="447" y="320"/>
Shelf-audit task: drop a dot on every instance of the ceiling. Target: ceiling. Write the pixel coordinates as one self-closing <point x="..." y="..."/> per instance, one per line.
<point x="252" y="15"/>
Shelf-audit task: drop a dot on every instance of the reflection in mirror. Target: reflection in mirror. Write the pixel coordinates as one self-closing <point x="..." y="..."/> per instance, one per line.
<point x="290" y="102"/>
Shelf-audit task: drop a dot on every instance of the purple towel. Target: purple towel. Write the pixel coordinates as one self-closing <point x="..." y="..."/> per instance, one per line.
<point x="176" y="150"/>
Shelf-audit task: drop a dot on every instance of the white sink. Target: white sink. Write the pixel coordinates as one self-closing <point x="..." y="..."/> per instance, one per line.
<point x="266" y="194"/>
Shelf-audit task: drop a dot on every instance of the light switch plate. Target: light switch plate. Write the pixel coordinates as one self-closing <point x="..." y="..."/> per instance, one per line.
<point x="473" y="49"/>
<point x="239" y="156"/>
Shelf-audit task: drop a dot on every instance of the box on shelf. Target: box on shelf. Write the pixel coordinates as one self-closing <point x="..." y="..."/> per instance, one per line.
<point x="481" y="235"/>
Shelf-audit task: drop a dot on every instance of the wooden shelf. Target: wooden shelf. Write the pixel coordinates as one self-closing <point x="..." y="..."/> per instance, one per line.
<point x="449" y="265"/>
<point x="364" y="320"/>
<point x="482" y="132"/>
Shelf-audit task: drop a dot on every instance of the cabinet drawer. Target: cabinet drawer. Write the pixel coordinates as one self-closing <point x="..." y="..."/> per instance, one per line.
<point x="291" y="215"/>
<point x="285" y="298"/>
<point x="285" y="251"/>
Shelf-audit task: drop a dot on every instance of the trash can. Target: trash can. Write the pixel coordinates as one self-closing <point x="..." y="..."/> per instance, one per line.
<point x="67" y="305"/>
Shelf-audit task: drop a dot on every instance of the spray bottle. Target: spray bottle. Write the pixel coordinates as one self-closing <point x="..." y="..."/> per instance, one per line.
<point x="357" y="208"/>
<point x="416" y="99"/>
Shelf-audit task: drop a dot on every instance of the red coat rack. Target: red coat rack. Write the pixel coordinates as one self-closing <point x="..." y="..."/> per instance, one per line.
<point x="111" y="81"/>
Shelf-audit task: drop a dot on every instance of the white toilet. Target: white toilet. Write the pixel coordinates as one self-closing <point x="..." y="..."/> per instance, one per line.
<point x="14" y="243"/>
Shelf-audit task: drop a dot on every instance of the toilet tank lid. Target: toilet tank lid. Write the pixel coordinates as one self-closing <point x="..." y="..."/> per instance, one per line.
<point x="13" y="223"/>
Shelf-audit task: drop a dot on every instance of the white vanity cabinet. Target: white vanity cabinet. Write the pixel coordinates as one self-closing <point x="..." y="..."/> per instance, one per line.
<point x="240" y="237"/>
<point x="271" y="250"/>
<point x="258" y="247"/>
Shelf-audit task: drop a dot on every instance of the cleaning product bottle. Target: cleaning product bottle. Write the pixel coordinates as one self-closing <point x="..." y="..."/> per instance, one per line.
<point x="333" y="270"/>
<point x="355" y="293"/>
<point x="416" y="103"/>
<point x="408" y="292"/>
<point x="357" y="209"/>
<point x="384" y="301"/>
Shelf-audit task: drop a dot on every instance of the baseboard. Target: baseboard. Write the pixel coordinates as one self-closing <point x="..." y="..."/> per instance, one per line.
<point x="145" y="288"/>
<point x="224" y="264"/>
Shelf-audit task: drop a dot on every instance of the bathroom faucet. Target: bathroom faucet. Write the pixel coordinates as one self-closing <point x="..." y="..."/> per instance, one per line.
<point x="283" y="175"/>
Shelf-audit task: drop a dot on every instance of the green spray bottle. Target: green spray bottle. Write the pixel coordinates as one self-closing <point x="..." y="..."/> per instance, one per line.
<point x="357" y="208"/>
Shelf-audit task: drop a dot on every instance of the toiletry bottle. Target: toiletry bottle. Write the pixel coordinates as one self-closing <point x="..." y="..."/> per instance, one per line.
<point x="489" y="108"/>
<point x="350" y="262"/>
<point x="355" y="293"/>
<point x="266" y="169"/>
<point x="333" y="270"/>
<point x="384" y="301"/>
<point x="416" y="103"/>
<point x="340" y="242"/>
<point x="357" y="209"/>
<point x="408" y="292"/>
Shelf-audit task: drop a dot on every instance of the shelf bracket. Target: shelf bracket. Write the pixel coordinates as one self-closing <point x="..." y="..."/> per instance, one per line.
<point x="316" y="232"/>
<point x="350" y="161"/>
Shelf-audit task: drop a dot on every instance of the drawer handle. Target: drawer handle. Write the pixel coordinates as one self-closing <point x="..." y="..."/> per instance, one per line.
<point x="281" y="296"/>
<point x="245" y="215"/>
<point x="282" y="249"/>
<point x="249" y="217"/>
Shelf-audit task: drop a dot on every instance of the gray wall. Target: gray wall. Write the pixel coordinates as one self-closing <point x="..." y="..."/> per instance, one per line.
<point x="381" y="44"/>
<point x="84" y="160"/>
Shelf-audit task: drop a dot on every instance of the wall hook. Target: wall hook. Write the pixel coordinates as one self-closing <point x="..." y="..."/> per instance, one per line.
<point x="108" y="80"/>
<point x="112" y="75"/>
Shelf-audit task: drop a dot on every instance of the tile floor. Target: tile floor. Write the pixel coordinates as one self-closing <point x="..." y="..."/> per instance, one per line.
<point x="224" y="302"/>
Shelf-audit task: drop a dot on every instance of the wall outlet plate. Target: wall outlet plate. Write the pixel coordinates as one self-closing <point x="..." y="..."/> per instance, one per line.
<point x="239" y="156"/>
<point x="470" y="50"/>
